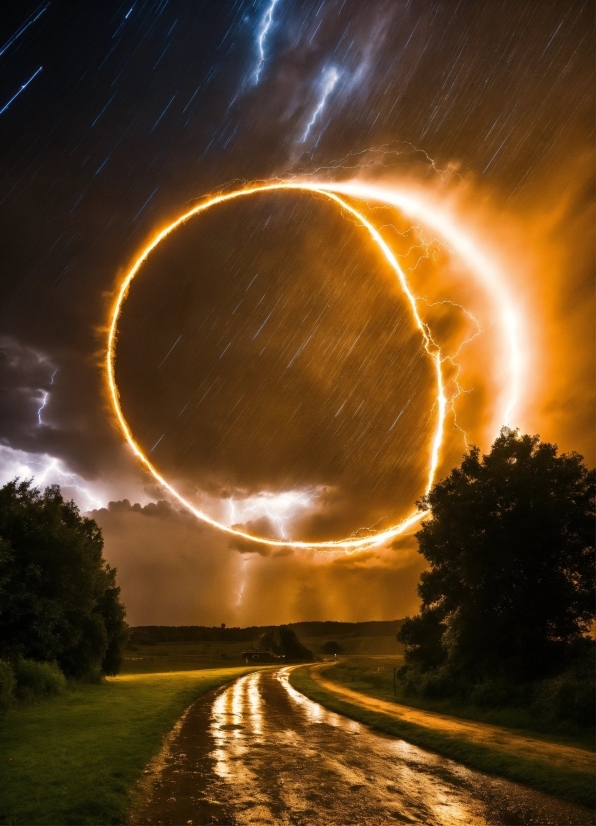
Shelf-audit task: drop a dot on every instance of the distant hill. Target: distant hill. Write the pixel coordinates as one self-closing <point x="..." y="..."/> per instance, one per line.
<point x="155" y="634"/>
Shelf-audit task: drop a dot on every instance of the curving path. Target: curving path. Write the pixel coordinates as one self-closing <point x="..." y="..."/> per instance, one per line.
<point x="499" y="738"/>
<point x="258" y="752"/>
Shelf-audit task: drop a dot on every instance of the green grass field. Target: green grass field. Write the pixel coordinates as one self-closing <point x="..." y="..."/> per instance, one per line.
<point x="73" y="759"/>
<point x="557" y="780"/>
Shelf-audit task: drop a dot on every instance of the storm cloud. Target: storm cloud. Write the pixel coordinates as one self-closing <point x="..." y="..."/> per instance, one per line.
<point x="267" y="360"/>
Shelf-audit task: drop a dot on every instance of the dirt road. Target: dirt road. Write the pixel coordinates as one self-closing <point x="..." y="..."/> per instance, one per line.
<point x="258" y="752"/>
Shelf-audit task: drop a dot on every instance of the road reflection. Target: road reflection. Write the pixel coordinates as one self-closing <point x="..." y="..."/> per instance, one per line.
<point x="286" y="759"/>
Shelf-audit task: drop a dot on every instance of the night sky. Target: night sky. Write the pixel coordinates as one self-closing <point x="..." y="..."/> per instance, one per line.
<point x="267" y="360"/>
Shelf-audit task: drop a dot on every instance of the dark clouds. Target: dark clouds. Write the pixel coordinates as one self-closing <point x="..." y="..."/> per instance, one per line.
<point x="173" y="571"/>
<point x="138" y="112"/>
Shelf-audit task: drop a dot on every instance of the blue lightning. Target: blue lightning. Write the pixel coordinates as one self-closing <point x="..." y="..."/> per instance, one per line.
<point x="263" y="29"/>
<point x="331" y="78"/>
<point x="44" y="400"/>
<point x="67" y="480"/>
<point x="24" y="86"/>
<point x="43" y="404"/>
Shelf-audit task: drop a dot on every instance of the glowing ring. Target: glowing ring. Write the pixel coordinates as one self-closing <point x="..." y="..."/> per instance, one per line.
<point x="327" y="190"/>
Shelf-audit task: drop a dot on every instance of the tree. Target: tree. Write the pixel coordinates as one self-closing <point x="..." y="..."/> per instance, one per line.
<point x="284" y="642"/>
<point x="510" y="544"/>
<point x="58" y="597"/>
<point x="268" y="642"/>
<point x="331" y="647"/>
<point x="291" y="647"/>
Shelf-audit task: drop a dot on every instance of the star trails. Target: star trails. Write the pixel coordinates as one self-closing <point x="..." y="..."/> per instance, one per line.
<point x="332" y="76"/>
<point x="24" y="86"/>
<point x="169" y="351"/>
<point x="145" y="204"/>
<point x="157" y="442"/>
<point x="104" y="109"/>
<point x="266" y="21"/>
<point x="22" y="30"/>
<point x="164" y="111"/>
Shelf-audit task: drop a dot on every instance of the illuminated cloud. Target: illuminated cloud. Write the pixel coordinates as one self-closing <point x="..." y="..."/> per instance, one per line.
<point x="47" y="470"/>
<point x="174" y="570"/>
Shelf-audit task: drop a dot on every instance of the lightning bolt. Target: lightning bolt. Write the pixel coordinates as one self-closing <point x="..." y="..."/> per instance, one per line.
<point x="266" y="22"/>
<point x="242" y="584"/>
<point x="278" y="508"/>
<point x="51" y="471"/>
<point x="44" y="400"/>
<point x="331" y="78"/>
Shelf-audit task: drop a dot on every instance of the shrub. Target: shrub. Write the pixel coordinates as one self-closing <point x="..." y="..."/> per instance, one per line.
<point x="433" y="685"/>
<point x="495" y="693"/>
<point x="7" y="685"/>
<point x="35" y="679"/>
<point x="569" y="697"/>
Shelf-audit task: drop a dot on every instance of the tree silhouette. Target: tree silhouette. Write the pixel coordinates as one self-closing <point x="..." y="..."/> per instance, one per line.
<point x="58" y="597"/>
<point x="510" y="543"/>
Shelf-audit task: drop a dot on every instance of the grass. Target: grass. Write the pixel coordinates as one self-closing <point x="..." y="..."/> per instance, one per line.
<point x="374" y="677"/>
<point x="73" y="759"/>
<point x="560" y="781"/>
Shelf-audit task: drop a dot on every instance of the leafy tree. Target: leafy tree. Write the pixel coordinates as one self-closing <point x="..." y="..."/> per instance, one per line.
<point x="510" y="543"/>
<point x="332" y="647"/>
<point x="58" y="597"/>
<point x="291" y="647"/>
<point x="284" y="642"/>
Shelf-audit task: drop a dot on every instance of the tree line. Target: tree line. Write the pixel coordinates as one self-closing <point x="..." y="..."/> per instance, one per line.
<point x="507" y="599"/>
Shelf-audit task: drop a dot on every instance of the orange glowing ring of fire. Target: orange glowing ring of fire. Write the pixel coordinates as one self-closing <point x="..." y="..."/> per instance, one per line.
<point x="328" y="190"/>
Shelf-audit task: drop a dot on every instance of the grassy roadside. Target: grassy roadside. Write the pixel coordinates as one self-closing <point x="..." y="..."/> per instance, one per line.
<point x="73" y="759"/>
<point x="374" y="677"/>
<point x="556" y="780"/>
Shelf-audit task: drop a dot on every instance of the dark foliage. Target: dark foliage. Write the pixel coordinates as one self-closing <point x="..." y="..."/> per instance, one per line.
<point x="510" y="589"/>
<point x="7" y="685"/>
<point x="332" y="647"/>
<point x="284" y="642"/>
<point x="58" y="597"/>
<point x="291" y="647"/>
<point x="422" y="636"/>
<point x="156" y="634"/>
<point x="35" y="679"/>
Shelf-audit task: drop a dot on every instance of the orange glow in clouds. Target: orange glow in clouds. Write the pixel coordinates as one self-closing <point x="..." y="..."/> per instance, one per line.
<point x="508" y="368"/>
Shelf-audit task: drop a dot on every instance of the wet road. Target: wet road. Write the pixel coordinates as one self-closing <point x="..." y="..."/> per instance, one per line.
<point x="258" y="752"/>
